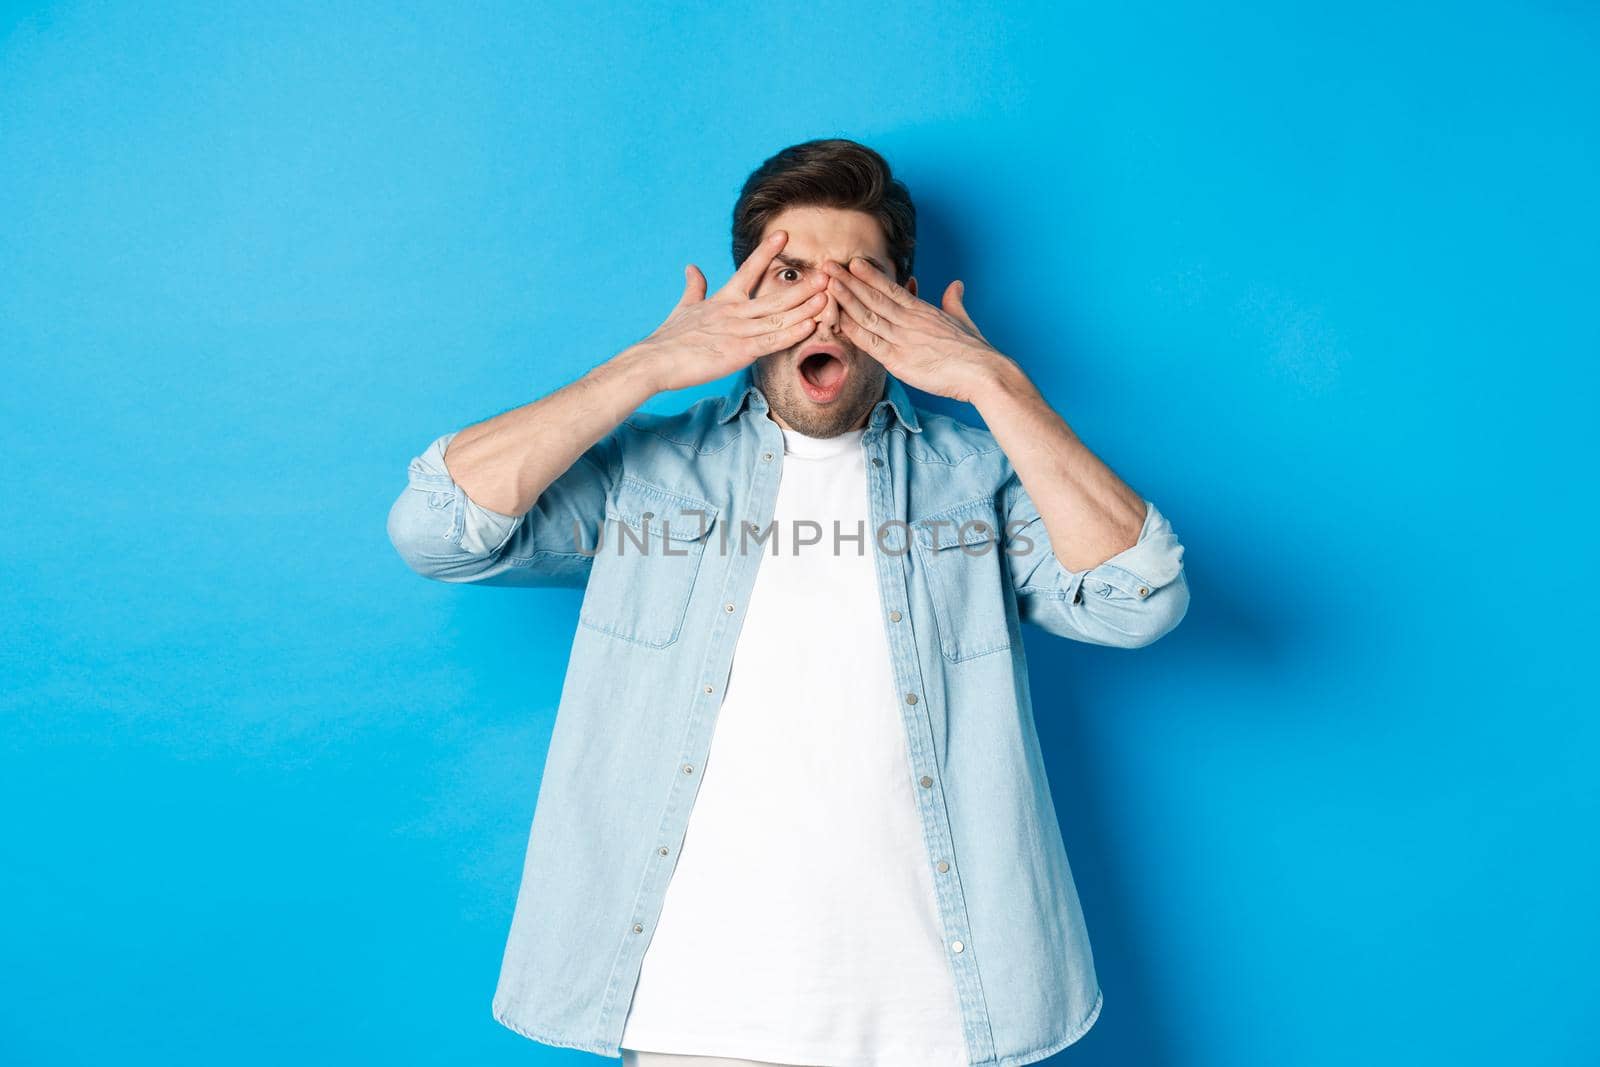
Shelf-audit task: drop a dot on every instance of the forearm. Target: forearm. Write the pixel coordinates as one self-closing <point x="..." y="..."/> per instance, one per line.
<point x="505" y="462"/>
<point x="1089" y="513"/>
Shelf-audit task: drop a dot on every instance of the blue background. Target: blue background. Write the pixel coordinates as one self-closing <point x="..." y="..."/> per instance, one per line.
<point x="1318" y="282"/>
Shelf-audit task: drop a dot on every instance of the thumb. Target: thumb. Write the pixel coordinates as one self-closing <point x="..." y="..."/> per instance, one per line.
<point x="954" y="308"/>
<point x="694" y="288"/>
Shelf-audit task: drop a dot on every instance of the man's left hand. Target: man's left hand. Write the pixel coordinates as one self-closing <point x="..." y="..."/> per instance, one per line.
<point x="937" y="351"/>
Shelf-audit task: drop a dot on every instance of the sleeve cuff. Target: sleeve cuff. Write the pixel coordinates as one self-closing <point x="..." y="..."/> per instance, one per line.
<point x="474" y="528"/>
<point x="1138" y="570"/>
<point x="482" y="530"/>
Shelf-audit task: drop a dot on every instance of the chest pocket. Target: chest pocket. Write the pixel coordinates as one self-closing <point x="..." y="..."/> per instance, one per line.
<point x="960" y="551"/>
<point x="646" y="562"/>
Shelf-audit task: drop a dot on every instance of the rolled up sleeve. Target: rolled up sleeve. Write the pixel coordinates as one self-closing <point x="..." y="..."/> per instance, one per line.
<point x="1130" y="600"/>
<point x="443" y="534"/>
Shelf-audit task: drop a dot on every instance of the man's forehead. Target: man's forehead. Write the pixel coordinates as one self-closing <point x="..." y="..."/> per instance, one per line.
<point x="815" y="231"/>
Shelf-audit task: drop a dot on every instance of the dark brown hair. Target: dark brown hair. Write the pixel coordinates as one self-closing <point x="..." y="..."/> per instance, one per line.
<point x="835" y="173"/>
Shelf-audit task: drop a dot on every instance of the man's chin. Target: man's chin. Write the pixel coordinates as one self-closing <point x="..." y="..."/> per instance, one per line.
<point x="788" y="402"/>
<point x="822" y="420"/>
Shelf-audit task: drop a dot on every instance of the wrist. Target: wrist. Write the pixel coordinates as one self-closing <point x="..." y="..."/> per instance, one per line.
<point x="998" y="377"/>
<point x="637" y="370"/>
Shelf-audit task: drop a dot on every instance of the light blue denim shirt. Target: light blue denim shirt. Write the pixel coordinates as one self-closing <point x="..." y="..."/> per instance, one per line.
<point x="962" y="560"/>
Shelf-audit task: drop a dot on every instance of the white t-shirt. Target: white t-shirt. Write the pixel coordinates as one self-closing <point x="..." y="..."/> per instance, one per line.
<point x="800" y="924"/>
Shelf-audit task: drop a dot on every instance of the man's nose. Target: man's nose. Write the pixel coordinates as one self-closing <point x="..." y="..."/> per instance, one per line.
<point x="828" y="317"/>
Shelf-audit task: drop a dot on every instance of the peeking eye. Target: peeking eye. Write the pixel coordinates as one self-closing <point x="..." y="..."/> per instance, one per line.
<point x="789" y="270"/>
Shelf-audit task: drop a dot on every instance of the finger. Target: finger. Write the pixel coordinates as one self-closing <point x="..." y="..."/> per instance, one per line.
<point x="956" y="309"/>
<point x="872" y="344"/>
<point x="880" y="281"/>
<point x="782" y="298"/>
<point x="694" y="286"/>
<point x="866" y="294"/>
<point x="777" y="340"/>
<point x="781" y="319"/>
<point x="754" y="266"/>
<point x="858" y="309"/>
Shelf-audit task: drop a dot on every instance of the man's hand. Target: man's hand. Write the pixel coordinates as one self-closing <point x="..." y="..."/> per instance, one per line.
<point x="937" y="351"/>
<point x="704" y="339"/>
<point x="1089" y="513"/>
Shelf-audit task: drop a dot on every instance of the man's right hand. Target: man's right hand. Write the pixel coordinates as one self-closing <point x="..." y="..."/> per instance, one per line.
<point x="505" y="463"/>
<point x="704" y="339"/>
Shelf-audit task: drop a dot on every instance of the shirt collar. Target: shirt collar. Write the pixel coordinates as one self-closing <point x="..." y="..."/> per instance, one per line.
<point x="895" y="399"/>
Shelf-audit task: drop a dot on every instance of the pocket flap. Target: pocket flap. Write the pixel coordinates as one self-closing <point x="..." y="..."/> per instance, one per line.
<point x="969" y="525"/>
<point x="650" y="508"/>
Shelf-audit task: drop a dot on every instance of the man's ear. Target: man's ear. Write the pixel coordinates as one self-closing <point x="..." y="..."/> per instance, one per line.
<point x="911" y="285"/>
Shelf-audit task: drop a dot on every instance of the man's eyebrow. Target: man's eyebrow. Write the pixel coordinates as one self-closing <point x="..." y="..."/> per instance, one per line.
<point x="800" y="263"/>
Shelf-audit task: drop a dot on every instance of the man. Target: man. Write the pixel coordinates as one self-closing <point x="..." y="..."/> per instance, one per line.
<point x="794" y="809"/>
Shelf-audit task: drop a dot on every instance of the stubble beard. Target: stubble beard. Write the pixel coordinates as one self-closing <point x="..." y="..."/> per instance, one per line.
<point x="776" y="377"/>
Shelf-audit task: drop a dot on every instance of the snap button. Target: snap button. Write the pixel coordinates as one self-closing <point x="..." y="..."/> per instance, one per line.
<point x="956" y="946"/>
<point x="926" y="781"/>
<point x="894" y="616"/>
<point x="943" y="866"/>
<point x="911" y="698"/>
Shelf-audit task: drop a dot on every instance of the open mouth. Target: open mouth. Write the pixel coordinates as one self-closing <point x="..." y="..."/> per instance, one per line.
<point x="822" y="375"/>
